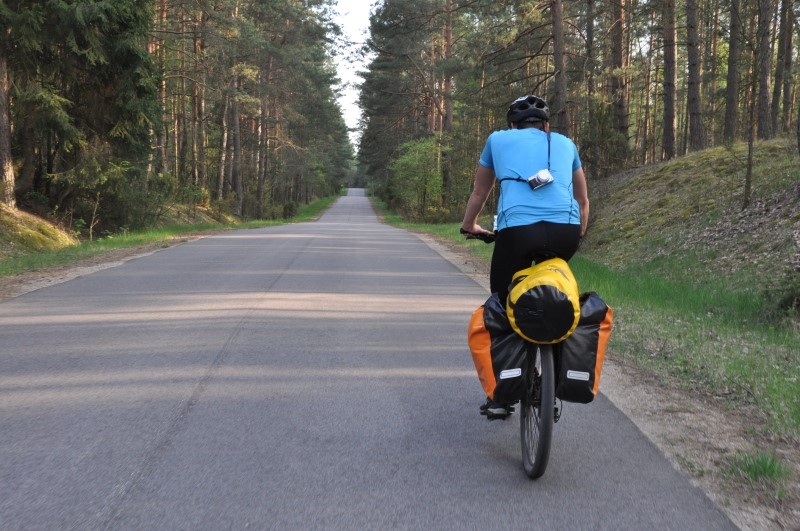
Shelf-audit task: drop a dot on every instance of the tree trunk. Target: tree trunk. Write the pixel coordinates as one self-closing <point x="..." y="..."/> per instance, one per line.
<point x="560" y="119"/>
<point x="6" y="162"/>
<point x="589" y="64"/>
<point x="694" y="107"/>
<point x="263" y="139"/>
<point x="751" y="139"/>
<point x="27" y="172"/>
<point x="238" y="186"/>
<point x="670" y="78"/>
<point x="197" y="113"/>
<point x="655" y="124"/>
<point x="203" y="136"/>
<point x="261" y="169"/>
<point x="732" y="88"/>
<point x="713" y="75"/>
<point x="223" y="148"/>
<point x="764" y="56"/>
<point x="787" y="79"/>
<point x="447" y="119"/>
<point x="201" y="107"/>
<point x="645" y="134"/>
<point x="618" y="64"/>
<point x="777" y="85"/>
<point x="162" y="129"/>
<point x="162" y="132"/>
<point x="194" y="136"/>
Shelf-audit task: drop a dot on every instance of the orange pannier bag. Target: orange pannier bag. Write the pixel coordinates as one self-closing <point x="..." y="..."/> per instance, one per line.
<point x="498" y="352"/>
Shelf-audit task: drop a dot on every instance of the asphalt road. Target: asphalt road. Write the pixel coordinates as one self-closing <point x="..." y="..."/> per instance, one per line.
<point x="307" y="376"/>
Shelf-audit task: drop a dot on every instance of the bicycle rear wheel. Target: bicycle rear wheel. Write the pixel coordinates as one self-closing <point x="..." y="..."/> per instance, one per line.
<point x="537" y="412"/>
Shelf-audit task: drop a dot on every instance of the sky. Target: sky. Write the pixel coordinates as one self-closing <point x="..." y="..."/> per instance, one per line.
<point x="353" y="18"/>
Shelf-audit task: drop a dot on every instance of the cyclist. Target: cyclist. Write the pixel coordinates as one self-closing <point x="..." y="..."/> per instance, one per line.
<point x="543" y="206"/>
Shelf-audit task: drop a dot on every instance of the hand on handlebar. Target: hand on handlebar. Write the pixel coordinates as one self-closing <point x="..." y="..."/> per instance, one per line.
<point x="485" y="237"/>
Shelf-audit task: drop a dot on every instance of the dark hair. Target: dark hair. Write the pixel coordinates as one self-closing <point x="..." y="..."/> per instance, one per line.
<point x="530" y="123"/>
<point x="526" y="109"/>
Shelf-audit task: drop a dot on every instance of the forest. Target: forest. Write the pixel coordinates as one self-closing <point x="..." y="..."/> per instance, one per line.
<point x="633" y="82"/>
<point x="111" y="109"/>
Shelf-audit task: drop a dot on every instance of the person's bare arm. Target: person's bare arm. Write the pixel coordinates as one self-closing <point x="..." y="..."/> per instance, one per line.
<point x="484" y="182"/>
<point x="581" y="193"/>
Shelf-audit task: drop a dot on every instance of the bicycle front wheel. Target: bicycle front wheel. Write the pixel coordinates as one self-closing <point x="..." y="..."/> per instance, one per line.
<point x="537" y="412"/>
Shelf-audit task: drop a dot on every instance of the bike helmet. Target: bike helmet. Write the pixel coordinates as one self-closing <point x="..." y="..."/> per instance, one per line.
<point x="526" y="107"/>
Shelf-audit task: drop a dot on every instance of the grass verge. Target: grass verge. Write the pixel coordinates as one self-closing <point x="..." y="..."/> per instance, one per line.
<point x="761" y="470"/>
<point x="71" y="252"/>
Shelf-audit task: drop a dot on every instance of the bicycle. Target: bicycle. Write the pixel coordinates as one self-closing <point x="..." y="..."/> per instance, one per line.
<point x="538" y="412"/>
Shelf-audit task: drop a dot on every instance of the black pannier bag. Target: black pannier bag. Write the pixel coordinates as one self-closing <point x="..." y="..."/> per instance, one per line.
<point x="499" y="353"/>
<point x="580" y="357"/>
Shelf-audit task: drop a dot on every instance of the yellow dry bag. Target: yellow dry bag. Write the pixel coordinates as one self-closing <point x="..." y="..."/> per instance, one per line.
<point x="543" y="303"/>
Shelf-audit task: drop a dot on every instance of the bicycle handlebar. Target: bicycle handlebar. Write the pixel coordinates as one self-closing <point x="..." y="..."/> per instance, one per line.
<point x="485" y="238"/>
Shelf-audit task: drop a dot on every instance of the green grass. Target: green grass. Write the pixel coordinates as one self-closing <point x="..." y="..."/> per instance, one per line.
<point x="706" y="338"/>
<point x="80" y="251"/>
<point x="316" y="208"/>
<point x="762" y="470"/>
<point x="70" y="254"/>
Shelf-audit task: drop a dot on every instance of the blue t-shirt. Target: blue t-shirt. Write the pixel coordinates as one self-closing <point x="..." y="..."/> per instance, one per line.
<point x="520" y="153"/>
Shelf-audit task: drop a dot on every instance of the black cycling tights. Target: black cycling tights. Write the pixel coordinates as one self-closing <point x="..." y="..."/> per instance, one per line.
<point x="518" y="247"/>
